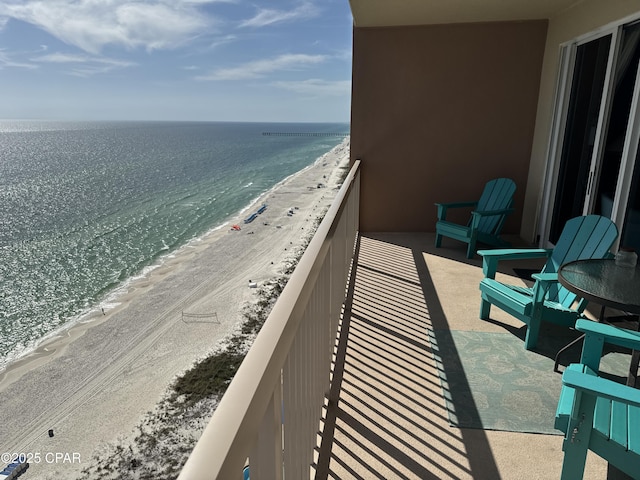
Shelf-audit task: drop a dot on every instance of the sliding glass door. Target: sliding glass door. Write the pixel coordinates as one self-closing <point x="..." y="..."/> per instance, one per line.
<point x="580" y="133"/>
<point x="593" y="165"/>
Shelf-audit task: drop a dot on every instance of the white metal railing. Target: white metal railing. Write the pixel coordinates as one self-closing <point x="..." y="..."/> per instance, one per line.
<point x="271" y="411"/>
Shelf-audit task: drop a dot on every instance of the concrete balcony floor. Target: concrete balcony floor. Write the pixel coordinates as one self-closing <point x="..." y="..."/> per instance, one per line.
<point x="390" y="421"/>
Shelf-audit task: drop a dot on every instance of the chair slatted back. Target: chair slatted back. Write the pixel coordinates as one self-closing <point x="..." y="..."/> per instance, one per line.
<point x="497" y="195"/>
<point x="589" y="236"/>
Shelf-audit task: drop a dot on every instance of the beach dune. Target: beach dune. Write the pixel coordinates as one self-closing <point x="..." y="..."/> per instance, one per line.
<point x="92" y="383"/>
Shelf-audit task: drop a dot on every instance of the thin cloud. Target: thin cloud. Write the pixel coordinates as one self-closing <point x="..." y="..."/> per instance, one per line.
<point x="261" y="68"/>
<point x="62" y="58"/>
<point x="223" y="41"/>
<point x="316" y="87"/>
<point x="90" y="65"/>
<point x="92" y="25"/>
<point x="91" y="70"/>
<point x="267" y="16"/>
<point x="204" y="2"/>
<point x="6" y="61"/>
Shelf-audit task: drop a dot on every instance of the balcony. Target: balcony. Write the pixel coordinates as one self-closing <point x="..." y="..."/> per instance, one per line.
<point x="356" y="373"/>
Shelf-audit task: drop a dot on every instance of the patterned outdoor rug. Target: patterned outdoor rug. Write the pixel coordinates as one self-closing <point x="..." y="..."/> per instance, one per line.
<point x="491" y="382"/>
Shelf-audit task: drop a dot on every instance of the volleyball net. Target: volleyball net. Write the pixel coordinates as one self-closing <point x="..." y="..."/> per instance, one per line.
<point x="200" y="317"/>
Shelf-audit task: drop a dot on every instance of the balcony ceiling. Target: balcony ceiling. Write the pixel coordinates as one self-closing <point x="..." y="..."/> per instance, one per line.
<point x="378" y="13"/>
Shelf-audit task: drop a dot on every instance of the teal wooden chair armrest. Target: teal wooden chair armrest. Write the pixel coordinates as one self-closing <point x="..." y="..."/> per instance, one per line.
<point x="457" y="204"/>
<point x="541" y="286"/>
<point x="443" y="207"/>
<point x="546" y="277"/>
<point x="543" y="281"/>
<point x="601" y="387"/>
<point x="597" y="334"/>
<point x="515" y="253"/>
<point x="490" y="258"/>
<point x="489" y="213"/>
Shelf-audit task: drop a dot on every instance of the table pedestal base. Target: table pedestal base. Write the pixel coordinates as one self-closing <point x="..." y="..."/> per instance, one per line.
<point x="632" y="378"/>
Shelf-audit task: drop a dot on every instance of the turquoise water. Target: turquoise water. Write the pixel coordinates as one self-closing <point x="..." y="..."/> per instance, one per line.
<point x="88" y="206"/>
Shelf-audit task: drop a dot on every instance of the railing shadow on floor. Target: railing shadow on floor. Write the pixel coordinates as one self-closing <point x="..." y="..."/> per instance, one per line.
<point x="385" y="417"/>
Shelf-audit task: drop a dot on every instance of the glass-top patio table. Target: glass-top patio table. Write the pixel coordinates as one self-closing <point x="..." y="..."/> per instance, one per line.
<point x="603" y="282"/>
<point x="608" y="285"/>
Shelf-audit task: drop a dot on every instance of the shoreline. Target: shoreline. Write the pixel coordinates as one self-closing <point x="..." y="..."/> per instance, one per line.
<point x="75" y="327"/>
<point x="35" y="349"/>
<point x="121" y="363"/>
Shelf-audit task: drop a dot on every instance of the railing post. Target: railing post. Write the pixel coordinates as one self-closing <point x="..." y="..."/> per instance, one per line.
<point x="265" y="460"/>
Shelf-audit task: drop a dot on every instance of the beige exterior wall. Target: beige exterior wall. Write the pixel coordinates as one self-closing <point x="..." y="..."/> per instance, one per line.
<point x="585" y="17"/>
<point x="439" y="110"/>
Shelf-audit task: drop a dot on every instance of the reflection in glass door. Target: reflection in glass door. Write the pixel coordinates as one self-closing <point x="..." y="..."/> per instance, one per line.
<point x="631" y="228"/>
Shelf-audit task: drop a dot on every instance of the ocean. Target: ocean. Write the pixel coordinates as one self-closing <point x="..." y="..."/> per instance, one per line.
<point x="87" y="207"/>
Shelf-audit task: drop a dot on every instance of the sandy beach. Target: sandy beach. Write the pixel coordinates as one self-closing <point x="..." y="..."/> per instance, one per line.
<point x="93" y="383"/>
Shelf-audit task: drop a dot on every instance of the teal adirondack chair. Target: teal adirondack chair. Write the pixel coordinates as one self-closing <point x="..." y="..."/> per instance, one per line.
<point x="486" y="220"/>
<point x="595" y="413"/>
<point x="590" y="236"/>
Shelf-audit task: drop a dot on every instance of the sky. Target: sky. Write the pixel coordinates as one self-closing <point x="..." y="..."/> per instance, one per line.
<point x="218" y="60"/>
